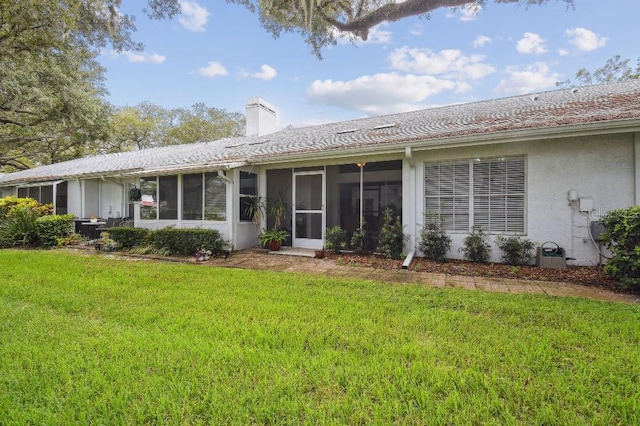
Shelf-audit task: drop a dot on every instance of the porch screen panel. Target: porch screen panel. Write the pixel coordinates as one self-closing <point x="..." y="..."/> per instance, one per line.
<point x="34" y="192"/>
<point x="148" y="203"/>
<point x="46" y="194"/>
<point x="499" y="191"/>
<point x="215" y="197"/>
<point x="192" y="190"/>
<point x="23" y="192"/>
<point x="447" y="193"/>
<point x="61" y="198"/>
<point x="168" y="197"/>
<point x="248" y="192"/>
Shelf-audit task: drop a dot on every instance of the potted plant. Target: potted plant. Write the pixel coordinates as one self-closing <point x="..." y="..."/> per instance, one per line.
<point x="278" y="209"/>
<point x="135" y="194"/>
<point x="254" y="207"/>
<point x="273" y="238"/>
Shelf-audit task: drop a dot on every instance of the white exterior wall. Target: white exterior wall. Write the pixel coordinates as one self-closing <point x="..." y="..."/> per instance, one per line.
<point x="599" y="167"/>
<point x="111" y="199"/>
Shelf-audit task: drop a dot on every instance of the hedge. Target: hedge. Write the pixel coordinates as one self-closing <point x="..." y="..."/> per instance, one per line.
<point x="622" y="238"/>
<point x="186" y="241"/>
<point x="51" y="228"/>
<point x="128" y="237"/>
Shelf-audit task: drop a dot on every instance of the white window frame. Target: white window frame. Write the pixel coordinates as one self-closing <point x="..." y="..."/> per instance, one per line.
<point x="509" y="194"/>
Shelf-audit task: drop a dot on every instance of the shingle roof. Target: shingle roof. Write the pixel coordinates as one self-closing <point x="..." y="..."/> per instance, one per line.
<point x="548" y="110"/>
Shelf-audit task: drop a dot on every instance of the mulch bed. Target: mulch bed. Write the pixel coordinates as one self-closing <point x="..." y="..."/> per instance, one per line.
<point x="592" y="276"/>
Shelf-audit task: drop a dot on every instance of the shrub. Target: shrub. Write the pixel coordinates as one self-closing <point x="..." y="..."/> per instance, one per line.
<point x="358" y="239"/>
<point x="186" y="241"/>
<point x="128" y="237"/>
<point x="515" y="251"/>
<point x="7" y="204"/>
<point x="622" y="238"/>
<point x="476" y="248"/>
<point x="434" y="241"/>
<point x="50" y="229"/>
<point x="19" y="227"/>
<point x="335" y="238"/>
<point x="391" y="238"/>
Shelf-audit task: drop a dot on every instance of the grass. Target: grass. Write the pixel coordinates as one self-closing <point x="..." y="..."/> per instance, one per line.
<point x="98" y="340"/>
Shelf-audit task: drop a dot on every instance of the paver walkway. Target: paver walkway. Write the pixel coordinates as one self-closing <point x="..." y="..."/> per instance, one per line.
<point x="260" y="260"/>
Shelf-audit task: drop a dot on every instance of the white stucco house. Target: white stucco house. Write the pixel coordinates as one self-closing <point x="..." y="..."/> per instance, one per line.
<point x="542" y="166"/>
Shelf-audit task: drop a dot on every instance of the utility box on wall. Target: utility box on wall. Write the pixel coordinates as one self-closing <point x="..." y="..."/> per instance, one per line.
<point x="549" y="255"/>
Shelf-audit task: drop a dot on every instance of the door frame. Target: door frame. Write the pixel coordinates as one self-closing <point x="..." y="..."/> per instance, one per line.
<point x="310" y="243"/>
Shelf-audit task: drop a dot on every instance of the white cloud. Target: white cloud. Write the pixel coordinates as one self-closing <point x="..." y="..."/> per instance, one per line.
<point x="530" y="79"/>
<point x="194" y="17"/>
<point x="138" y="58"/>
<point x="585" y="40"/>
<point x="450" y="63"/>
<point x="381" y="93"/>
<point x="213" y="69"/>
<point x="266" y="73"/>
<point x="468" y="12"/>
<point x="481" y="40"/>
<point x="563" y="52"/>
<point x="531" y="43"/>
<point x="417" y="30"/>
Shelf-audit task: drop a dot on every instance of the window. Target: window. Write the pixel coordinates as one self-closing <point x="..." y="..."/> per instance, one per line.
<point x="447" y="193"/>
<point x="148" y="207"/>
<point x="248" y="190"/>
<point x="192" y="197"/>
<point x="485" y="193"/>
<point x="204" y="193"/>
<point x="44" y="194"/>
<point x="215" y="197"/>
<point x="204" y="197"/>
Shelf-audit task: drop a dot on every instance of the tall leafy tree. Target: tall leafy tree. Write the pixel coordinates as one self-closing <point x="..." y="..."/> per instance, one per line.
<point x="615" y="69"/>
<point x="148" y="125"/>
<point x="51" y="87"/>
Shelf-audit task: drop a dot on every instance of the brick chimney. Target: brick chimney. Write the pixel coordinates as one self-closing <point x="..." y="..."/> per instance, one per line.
<point x="261" y="117"/>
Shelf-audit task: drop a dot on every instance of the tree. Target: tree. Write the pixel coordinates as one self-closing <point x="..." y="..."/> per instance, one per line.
<point x="317" y="20"/>
<point x="148" y="125"/>
<point x="51" y="92"/>
<point x="615" y="69"/>
<point x="203" y="123"/>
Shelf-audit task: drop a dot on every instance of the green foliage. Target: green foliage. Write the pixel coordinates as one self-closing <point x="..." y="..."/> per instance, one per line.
<point x="476" y="248"/>
<point x="128" y="237"/>
<point x="358" y="240"/>
<point x="615" y="69"/>
<point x="622" y="238"/>
<point x="50" y="229"/>
<point x="71" y="239"/>
<point x="269" y="235"/>
<point x="434" y="241"/>
<point x="186" y="241"/>
<point x="18" y="220"/>
<point x="19" y="227"/>
<point x="391" y="238"/>
<point x="515" y="251"/>
<point x="335" y="238"/>
<point x="105" y="243"/>
<point x="9" y="203"/>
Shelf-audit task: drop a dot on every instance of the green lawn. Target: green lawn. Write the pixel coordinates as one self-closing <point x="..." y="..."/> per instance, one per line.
<point x="98" y="340"/>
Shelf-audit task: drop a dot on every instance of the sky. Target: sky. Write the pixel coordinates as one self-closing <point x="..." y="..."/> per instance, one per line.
<point x="217" y="53"/>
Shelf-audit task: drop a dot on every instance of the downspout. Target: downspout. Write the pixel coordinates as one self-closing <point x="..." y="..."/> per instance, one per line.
<point x="81" y="198"/>
<point x="408" y="154"/>
<point x="636" y="149"/>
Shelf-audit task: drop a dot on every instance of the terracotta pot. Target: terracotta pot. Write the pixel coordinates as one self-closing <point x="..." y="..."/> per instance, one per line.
<point x="274" y="245"/>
